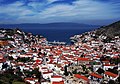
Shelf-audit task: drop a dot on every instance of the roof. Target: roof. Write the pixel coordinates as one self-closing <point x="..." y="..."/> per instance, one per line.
<point x="115" y="57"/>
<point x="56" y="76"/>
<point x="2" y="60"/>
<point x="1" y="57"/>
<point x="66" y="62"/>
<point x="109" y="64"/>
<point x="83" y="59"/>
<point x="47" y="72"/>
<point x="96" y="75"/>
<point x="38" y="61"/>
<point x="111" y="74"/>
<point x="44" y="68"/>
<point x="61" y="82"/>
<point x="81" y="77"/>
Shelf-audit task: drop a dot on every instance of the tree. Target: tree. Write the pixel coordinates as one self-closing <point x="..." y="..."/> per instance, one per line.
<point x="24" y="59"/>
<point x="75" y="71"/>
<point x="8" y="77"/>
<point x="113" y="71"/>
<point x="65" y="71"/>
<point x="112" y="82"/>
<point x="5" y="65"/>
<point x="10" y="58"/>
<point x="84" y="67"/>
<point x="100" y="71"/>
<point x="38" y="74"/>
<point x="118" y="79"/>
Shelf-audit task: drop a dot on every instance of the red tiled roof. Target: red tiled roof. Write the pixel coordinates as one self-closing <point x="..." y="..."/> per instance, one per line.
<point x="66" y="62"/>
<point x="62" y="57"/>
<point x="37" y="83"/>
<point x="44" y="68"/>
<point x="61" y="82"/>
<point x="97" y="56"/>
<point x="115" y="57"/>
<point x="56" y="76"/>
<point x="38" y="61"/>
<point x="87" y="47"/>
<point x="81" y="77"/>
<point x="65" y="49"/>
<point x="109" y="64"/>
<point x="96" y="75"/>
<point x="58" y="52"/>
<point x="115" y="52"/>
<point x="51" y="61"/>
<point x="111" y="74"/>
<point x="1" y="57"/>
<point x="83" y="59"/>
<point x="2" y="60"/>
<point x="47" y="72"/>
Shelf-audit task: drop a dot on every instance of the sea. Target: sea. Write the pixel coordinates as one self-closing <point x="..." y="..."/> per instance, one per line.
<point x="52" y="32"/>
<point x="62" y="35"/>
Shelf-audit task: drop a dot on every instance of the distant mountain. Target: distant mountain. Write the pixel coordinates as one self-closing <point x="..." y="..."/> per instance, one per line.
<point x="110" y="30"/>
<point x="59" y="25"/>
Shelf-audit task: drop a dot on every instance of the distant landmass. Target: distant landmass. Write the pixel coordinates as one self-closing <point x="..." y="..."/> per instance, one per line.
<point x="59" y="25"/>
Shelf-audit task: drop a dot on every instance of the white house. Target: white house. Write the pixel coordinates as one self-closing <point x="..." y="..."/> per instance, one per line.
<point x="47" y="74"/>
<point x="56" y="78"/>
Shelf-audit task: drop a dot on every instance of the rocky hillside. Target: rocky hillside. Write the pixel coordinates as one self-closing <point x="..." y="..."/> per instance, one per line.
<point x="110" y="30"/>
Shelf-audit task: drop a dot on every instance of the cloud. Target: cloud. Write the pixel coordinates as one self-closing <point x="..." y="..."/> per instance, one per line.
<point x="15" y="9"/>
<point x="36" y="6"/>
<point x="84" y="9"/>
<point x="50" y="1"/>
<point x="45" y="11"/>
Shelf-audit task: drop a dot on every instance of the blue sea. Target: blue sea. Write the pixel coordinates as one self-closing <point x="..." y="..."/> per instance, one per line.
<point x="53" y="32"/>
<point x="57" y="34"/>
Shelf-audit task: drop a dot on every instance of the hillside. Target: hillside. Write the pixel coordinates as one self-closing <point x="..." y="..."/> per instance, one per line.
<point x="110" y="30"/>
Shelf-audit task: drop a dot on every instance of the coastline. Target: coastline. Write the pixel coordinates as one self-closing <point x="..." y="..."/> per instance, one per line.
<point x="61" y="35"/>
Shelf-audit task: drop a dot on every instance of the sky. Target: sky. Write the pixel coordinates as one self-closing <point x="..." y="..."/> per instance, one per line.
<point x="49" y="11"/>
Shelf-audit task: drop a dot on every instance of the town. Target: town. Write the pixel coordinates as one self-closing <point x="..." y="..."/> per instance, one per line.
<point x="89" y="59"/>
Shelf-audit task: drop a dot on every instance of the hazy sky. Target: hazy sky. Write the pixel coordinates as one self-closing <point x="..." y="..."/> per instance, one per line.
<point x="48" y="11"/>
